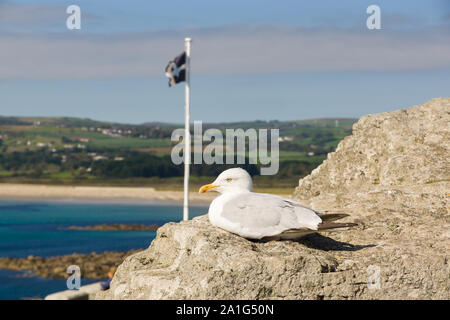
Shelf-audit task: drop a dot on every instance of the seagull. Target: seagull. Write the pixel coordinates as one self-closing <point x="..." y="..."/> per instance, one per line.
<point x="262" y="216"/>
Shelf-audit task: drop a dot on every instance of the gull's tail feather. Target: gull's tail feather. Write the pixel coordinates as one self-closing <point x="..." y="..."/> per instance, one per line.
<point x="332" y="226"/>
<point x="328" y="217"/>
<point x="325" y="226"/>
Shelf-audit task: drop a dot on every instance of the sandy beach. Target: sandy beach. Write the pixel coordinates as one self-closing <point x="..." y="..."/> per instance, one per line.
<point x="98" y="194"/>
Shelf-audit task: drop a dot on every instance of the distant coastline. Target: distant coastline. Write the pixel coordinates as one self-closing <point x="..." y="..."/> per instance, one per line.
<point x="108" y="194"/>
<point x="115" y="227"/>
<point x="138" y="195"/>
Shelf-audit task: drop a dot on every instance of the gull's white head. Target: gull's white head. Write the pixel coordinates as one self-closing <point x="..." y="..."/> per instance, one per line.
<point x="231" y="180"/>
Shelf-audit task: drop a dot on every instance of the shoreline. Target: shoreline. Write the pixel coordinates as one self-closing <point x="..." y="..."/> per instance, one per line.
<point x="93" y="265"/>
<point x="94" y="194"/>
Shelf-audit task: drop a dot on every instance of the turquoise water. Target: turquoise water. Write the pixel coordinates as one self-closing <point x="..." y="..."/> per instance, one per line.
<point x="16" y="285"/>
<point x="38" y="228"/>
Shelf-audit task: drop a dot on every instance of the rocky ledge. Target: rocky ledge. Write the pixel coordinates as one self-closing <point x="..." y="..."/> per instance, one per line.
<point x="390" y="175"/>
<point x="195" y="260"/>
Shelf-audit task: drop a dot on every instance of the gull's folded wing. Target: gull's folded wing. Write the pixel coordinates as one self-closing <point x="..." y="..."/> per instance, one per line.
<point x="323" y="227"/>
<point x="256" y="215"/>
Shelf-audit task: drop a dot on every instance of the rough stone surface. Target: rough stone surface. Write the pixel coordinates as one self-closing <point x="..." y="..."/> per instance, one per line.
<point x="195" y="260"/>
<point x="391" y="175"/>
<point x="407" y="147"/>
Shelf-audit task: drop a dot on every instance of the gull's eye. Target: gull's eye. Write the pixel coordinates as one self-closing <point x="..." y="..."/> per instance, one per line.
<point x="228" y="179"/>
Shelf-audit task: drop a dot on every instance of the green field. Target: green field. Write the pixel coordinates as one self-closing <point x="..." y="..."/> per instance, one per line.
<point x="84" y="151"/>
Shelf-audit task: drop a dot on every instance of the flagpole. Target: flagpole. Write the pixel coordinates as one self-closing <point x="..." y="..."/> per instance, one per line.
<point x="187" y="135"/>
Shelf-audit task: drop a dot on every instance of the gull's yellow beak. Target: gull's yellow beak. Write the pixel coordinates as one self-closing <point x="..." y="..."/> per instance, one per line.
<point x="206" y="188"/>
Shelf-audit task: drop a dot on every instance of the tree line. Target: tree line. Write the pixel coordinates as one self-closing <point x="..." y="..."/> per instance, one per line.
<point x="134" y="165"/>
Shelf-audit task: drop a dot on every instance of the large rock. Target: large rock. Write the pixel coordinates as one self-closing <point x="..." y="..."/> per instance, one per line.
<point x="391" y="175"/>
<point x="408" y="147"/>
<point x="195" y="260"/>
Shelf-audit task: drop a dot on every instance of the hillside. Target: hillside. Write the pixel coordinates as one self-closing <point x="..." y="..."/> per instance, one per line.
<point x="85" y="151"/>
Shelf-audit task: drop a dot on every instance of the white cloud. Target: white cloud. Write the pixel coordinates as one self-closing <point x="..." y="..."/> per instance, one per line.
<point x="221" y="50"/>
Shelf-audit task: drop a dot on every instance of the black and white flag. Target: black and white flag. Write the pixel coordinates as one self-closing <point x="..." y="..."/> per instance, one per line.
<point x="176" y="69"/>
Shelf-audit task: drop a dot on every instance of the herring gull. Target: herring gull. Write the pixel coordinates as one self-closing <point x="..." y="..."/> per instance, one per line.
<point x="263" y="216"/>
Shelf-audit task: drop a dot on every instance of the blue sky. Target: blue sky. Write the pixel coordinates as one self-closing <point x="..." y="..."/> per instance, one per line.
<point x="251" y="60"/>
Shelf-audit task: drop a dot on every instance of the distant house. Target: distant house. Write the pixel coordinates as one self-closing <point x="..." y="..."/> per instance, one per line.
<point x="99" y="158"/>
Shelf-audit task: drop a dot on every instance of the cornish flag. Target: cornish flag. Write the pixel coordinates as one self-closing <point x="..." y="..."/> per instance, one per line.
<point x="176" y="69"/>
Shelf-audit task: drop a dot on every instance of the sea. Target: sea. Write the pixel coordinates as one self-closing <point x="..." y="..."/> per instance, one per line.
<point x="39" y="228"/>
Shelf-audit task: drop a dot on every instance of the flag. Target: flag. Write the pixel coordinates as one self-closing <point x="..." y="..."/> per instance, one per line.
<point x="176" y="70"/>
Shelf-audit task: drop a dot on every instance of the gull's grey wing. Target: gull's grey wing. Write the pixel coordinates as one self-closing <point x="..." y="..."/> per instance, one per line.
<point x="323" y="227"/>
<point x="257" y="215"/>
